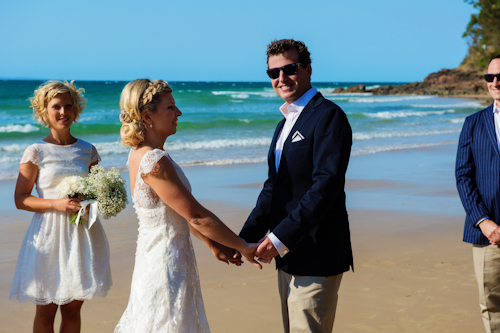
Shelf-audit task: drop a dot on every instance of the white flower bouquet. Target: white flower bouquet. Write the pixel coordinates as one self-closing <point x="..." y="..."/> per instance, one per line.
<point x="103" y="190"/>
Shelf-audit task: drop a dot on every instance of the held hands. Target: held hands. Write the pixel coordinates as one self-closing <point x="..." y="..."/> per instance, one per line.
<point x="249" y="253"/>
<point x="266" y="250"/>
<point x="225" y="254"/>
<point x="69" y="205"/>
<point x="491" y="230"/>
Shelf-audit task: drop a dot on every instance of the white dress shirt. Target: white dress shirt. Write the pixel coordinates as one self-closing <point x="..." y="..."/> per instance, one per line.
<point x="496" y="120"/>
<point x="496" y="117"/>
<point x="291" y="113"/>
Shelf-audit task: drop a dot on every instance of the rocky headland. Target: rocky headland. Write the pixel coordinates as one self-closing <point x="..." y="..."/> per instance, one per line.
<point x="446" y="83"/>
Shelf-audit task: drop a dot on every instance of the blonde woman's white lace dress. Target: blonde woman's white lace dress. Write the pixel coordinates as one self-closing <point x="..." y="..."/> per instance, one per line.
<point x="165" y="295"/>
<point x="58" y="261"/>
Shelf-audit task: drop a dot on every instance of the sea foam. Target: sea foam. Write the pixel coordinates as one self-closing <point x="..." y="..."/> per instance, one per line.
<point x="456" y="120"/>
<point x="464" y="104"/>
<point x="379" y="135"/>
<point x="244" y="94"/>
<point x="217" y="144"/>
<point x="385" y="98"/>
<point x="12" y="148"/>
<point x="373" y="150"/>
<point x="404" y="114"/>
<point x="19" y="128"/>
<point x="227" y="161"/>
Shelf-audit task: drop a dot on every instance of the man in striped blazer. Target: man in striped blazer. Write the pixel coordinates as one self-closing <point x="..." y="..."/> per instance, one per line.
<point x="478" y="182"/>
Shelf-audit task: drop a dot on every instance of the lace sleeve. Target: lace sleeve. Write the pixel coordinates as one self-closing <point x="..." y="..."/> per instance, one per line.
<point x="31" y="155"/>
<point x="95" y="156"/>
<point x="150" y="159"/>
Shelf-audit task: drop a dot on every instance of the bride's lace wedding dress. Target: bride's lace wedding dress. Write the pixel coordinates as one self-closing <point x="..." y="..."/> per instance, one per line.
<point x="165" y="295"/>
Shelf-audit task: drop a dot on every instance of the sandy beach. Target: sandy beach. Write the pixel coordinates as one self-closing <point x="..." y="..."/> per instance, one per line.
<point x="412" y="272"/>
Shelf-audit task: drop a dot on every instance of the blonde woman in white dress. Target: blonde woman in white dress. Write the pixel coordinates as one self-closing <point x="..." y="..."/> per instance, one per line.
<point x="60" y="265"/>
<point x="165" y="294"/>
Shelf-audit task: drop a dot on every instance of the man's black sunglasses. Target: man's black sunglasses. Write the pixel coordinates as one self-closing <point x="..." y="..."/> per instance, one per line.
<point x="489" y="77"/>
<point x="289" y="69"/>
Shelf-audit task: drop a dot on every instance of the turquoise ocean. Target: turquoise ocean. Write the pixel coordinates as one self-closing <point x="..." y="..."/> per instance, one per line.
<point x="232" y="122"/>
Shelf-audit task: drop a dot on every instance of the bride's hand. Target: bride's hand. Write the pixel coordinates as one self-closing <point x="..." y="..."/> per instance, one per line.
<point x="249" y="253"/>
<point x="225" y="254"/>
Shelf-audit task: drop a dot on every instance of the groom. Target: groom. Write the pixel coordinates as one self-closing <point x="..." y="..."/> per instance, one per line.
<point x="303" y="199"/>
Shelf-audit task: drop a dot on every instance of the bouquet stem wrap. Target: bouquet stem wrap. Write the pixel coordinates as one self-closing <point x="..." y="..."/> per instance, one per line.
<point x="93" y="212"/>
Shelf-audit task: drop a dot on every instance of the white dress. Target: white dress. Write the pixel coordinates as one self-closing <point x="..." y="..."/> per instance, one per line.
<point x="60" y="262"/>
<point x="165" y="295"/>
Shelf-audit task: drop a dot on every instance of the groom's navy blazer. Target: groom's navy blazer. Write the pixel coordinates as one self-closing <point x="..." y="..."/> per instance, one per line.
<point x="477" y="172"/>
<point x="303" y="203"/>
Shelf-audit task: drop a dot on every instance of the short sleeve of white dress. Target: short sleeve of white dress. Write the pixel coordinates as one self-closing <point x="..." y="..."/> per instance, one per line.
<point x="31" y="155"/>
<point x="94" y="158"/>
<point x="150" y="159"/>
<point x="144" y="196"/>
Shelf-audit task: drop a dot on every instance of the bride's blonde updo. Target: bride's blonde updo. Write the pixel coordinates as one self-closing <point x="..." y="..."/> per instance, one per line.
<point x="137" y="96"/>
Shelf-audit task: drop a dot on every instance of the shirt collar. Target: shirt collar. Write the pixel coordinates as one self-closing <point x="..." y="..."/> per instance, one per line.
<point x="496" y="109"/>
<point x="300" y="103"/>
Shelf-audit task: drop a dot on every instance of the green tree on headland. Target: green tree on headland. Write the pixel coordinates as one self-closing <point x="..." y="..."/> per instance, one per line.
<point x="483" y="34"/>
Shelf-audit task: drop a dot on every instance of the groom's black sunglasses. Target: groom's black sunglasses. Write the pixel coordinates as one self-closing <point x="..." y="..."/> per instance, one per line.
<point x="489" y="77"/>
<point x="289" y="69"/>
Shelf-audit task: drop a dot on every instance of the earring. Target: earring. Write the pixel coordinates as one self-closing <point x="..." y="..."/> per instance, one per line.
<point x="151" y="125"/>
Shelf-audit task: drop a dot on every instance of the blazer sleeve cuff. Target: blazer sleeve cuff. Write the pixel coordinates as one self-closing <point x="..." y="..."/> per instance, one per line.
<point x="485" y="217"/>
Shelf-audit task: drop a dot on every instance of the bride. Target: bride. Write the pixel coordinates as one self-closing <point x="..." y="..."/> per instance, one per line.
<point x="165" y="295"/>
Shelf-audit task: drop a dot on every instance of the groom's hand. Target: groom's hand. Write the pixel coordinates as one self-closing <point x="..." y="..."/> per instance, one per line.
<point x="266" y="250"/>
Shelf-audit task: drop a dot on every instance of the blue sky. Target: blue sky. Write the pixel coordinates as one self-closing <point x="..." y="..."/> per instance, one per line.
<point x="225" y="40"/>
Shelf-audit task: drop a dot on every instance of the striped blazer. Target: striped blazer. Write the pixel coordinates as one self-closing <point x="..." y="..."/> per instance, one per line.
<point x="477" y="172"/>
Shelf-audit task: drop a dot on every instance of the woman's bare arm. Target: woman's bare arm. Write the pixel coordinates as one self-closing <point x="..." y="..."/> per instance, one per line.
<point x="221" y="252"/>
<point x="165" y="182"/>
<point x="24" y="200"/>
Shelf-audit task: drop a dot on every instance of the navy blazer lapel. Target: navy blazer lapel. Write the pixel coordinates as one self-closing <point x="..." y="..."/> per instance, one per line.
<point x="490" y="128"/>
<point x="304" y="115"/>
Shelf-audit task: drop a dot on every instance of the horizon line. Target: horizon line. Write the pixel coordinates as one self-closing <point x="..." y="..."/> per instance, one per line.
<point x="201" y="81"/>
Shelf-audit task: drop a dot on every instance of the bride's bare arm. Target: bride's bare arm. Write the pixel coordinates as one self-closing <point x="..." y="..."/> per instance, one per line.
<point x="165" y="182"/>
<point x="221" y="252"/>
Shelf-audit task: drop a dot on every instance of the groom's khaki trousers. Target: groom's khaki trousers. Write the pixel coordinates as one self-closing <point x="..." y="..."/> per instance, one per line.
<point x="487" y="269"/>
<point x="308" y="303"/>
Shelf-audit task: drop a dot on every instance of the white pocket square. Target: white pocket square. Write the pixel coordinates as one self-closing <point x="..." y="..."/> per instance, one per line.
<point x="297" y="137"/>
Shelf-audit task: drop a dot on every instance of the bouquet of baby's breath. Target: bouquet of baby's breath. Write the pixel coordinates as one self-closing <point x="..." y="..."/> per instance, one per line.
<point x="107" y="188"/>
